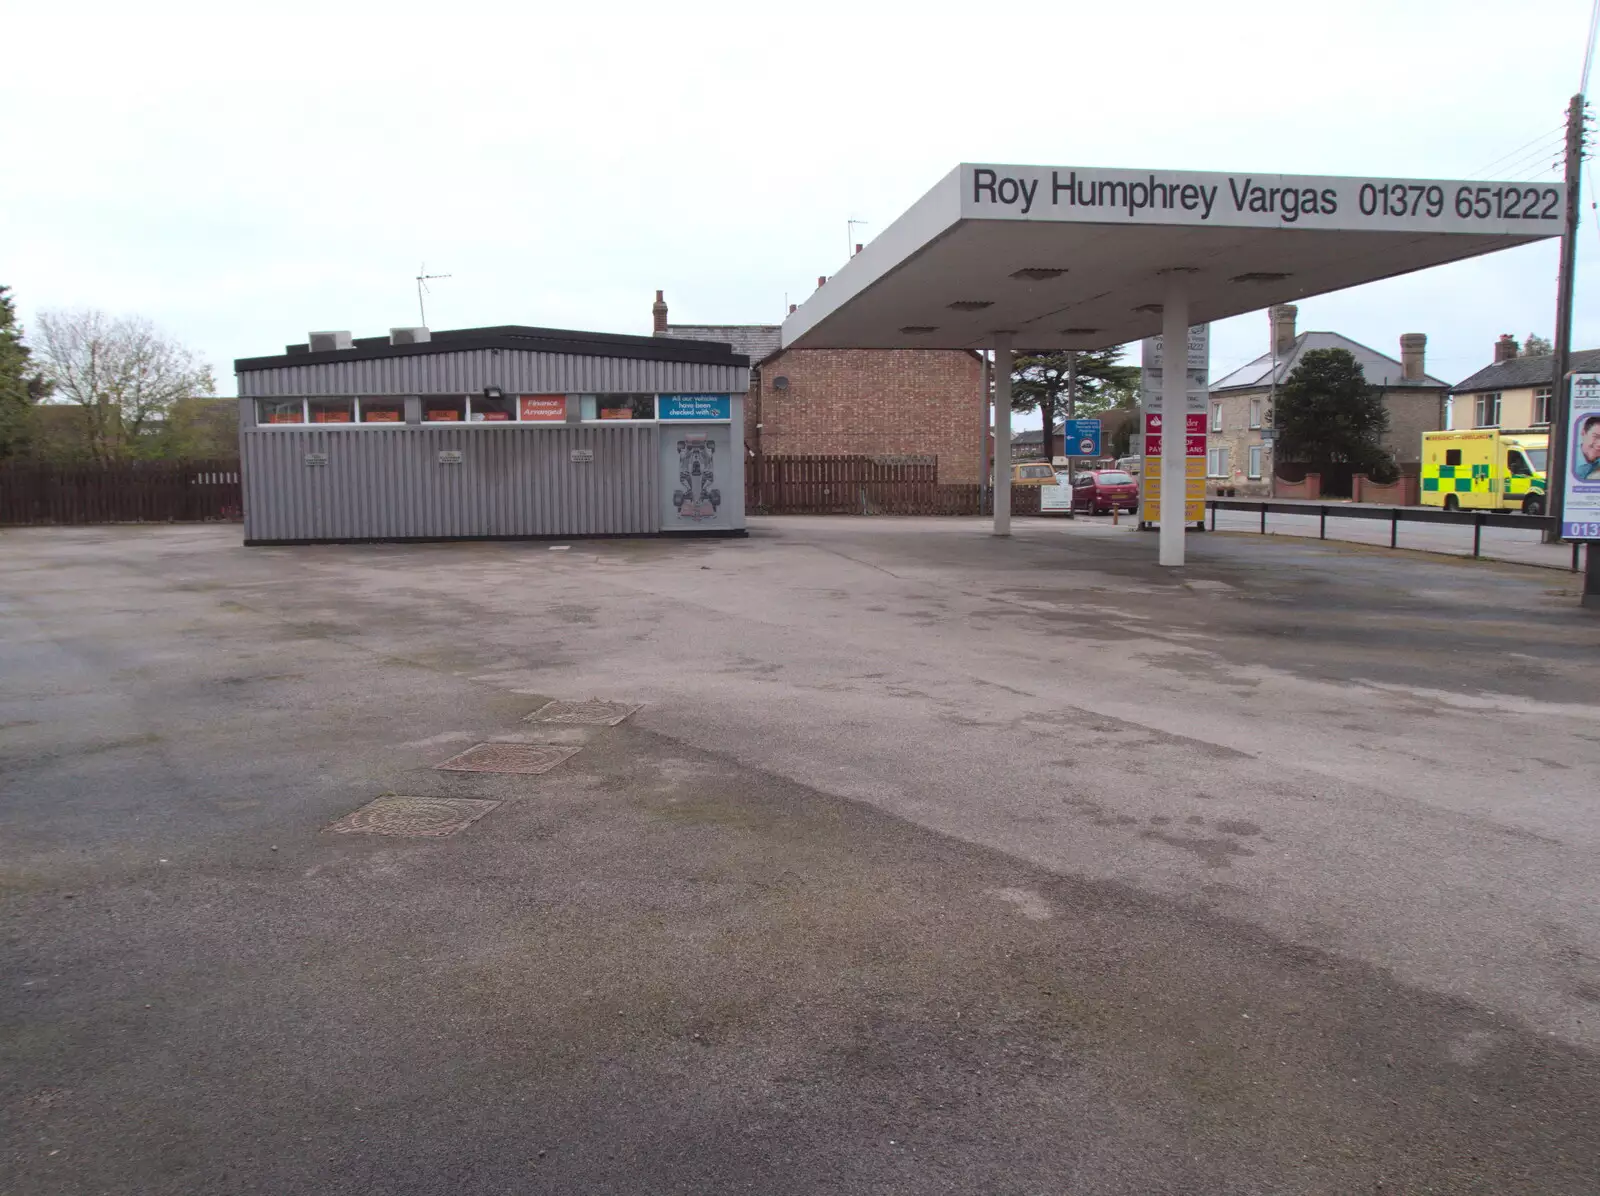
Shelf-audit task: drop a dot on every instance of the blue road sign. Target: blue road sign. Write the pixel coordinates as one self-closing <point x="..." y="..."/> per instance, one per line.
<point x="1081" y="438"/>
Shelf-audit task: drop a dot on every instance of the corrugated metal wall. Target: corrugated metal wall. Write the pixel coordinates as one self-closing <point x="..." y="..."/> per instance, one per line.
<point x="512" y="370"/>
<point x="387" y="483"/>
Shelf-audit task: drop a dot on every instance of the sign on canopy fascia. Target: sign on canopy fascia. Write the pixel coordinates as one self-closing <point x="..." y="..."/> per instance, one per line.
<point x="1361" y="203"/>
<point x="1074" y="257"/>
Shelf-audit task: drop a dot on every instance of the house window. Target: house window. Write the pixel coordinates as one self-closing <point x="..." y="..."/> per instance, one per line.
<point x="1488" y="414"/>
<point x="1255" y="461"/>
<point x="1255" y="413"/>
<point x="1216" y="417"/>
<point x="1541" y="405"/>
<point x="1217" y="463"/>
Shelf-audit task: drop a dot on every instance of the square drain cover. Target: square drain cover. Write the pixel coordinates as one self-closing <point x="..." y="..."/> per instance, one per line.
<point x="525" y="758"/>
<point x="589" y="714"/>
<point x="426" y="816"/>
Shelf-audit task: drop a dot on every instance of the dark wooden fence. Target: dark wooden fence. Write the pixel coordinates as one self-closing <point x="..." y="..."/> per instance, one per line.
<point x="129" y="492"/>
<point x="861" y="485"/>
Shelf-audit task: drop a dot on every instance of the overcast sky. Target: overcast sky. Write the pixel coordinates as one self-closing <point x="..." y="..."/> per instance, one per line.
<point x="242" y="175"/>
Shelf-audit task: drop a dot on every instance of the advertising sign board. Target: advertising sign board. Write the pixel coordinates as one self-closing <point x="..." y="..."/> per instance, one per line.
<point x="544" y="408"/>
<point x="1194" y="454"/>
<point x="699" y="407"/>
<point x="1580" y="519"/>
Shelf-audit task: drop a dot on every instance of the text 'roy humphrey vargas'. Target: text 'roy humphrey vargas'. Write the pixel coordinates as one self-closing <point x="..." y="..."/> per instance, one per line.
<point x="1070" y="189"/>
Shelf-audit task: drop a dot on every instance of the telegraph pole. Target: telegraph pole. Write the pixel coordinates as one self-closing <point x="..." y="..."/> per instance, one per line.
<point x="1560" y="415"/>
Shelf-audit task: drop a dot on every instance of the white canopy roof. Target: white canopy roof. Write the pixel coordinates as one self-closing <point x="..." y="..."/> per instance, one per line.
<point x="1078" y="258"/>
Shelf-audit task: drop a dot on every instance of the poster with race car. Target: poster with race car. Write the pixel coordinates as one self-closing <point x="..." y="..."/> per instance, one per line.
<point x="696" y="463"/>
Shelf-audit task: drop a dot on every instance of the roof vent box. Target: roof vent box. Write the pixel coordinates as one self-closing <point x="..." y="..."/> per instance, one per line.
<point x="328" y="342"/>
<point x="409" y="336"/>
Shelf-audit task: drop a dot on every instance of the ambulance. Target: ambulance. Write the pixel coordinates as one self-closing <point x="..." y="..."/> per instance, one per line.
<point x="1485" y="469"/>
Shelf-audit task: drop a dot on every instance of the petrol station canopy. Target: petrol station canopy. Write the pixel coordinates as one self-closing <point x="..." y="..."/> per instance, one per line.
<point x="1071" y="257"/>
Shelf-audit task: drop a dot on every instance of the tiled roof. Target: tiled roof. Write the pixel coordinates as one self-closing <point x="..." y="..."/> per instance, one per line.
<point x="1379" y="368"/>
<point x="755" y="341"/>
<point x="1526" y="371"/>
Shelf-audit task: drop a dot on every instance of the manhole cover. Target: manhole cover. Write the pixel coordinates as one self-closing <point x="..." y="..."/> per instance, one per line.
<point x="428" y="816"/>
<point x="525" y="758"/>
<point x="591" y="714"/>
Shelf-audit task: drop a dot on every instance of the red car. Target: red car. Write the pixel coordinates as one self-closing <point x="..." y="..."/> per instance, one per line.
<point x="1100" y="491"/>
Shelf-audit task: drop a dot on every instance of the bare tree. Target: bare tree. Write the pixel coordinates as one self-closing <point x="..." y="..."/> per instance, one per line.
<point x="121" y="371"/>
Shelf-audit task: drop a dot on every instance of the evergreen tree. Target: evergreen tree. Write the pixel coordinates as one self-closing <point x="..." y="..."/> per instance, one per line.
<point x="1329" y="416"/>
<point x="20" y="387"/>
<point x="1039" y="383"/>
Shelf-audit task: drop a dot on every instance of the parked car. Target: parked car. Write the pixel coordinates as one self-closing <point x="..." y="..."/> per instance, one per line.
<point x="1100" y="491"/>
<point x="1033" y="473"/>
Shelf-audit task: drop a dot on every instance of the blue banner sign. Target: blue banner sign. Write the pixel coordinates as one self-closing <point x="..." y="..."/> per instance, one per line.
<point x="1081" y="438"/>
<point x="701" y="407"/>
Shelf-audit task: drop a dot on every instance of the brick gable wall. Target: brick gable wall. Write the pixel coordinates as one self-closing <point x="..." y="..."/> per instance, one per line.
<point x="877" y="402"/>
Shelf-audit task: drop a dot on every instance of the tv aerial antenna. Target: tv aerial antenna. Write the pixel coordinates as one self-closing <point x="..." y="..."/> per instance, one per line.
<point x="850" y="236"/>
<point x="423" y="279"/>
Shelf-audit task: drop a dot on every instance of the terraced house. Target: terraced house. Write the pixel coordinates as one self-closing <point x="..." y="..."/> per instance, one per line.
<point x="1513" y="391"/>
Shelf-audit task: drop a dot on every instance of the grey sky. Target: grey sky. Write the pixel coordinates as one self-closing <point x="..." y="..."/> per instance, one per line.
<point x="242" y="175"/>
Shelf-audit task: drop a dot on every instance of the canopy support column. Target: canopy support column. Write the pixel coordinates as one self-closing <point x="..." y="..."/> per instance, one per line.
<point x="1002" y="433"/>
<point x="1174" y="422"/>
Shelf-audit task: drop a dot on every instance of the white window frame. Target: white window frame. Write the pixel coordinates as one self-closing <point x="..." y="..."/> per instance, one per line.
<point x="1480" y="403"/>
<point x="593" y="398"/>
<point x="305" y="410"/>
<point x="1216" y="417"/>
<point x="1542" y="399"/>
<point x="516" y="410"/>
<point x="1256" y="407"/>
<point x="1217" y="462"/>
<point x="1253" y="468"/>
<point x="387" y="401"/>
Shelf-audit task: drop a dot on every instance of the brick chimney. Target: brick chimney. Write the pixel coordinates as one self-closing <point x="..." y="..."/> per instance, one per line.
<point x="1281" y="319"/>
<point x="1413" y="355"/>
<point x="1505" y="348"/>
<point x="658" y="310"/>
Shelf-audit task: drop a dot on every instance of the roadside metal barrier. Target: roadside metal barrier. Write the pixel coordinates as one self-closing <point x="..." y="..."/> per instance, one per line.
<point x="1477" y="520"/>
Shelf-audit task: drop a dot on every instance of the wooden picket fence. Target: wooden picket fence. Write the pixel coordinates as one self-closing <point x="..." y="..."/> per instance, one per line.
<point x="819" y="484"/>
<point x="127" y="492"/>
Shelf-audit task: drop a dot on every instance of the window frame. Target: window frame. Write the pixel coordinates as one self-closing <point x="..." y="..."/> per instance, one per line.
<point x="594" y="397"/>
<point x="466" y="401"/>
<point x="1252" y="469"/>
<point x="1478" y="409"/>
<point x="1543" y="400"/>
<point x="1217" y="462"/>
<point x="1216" y="416"/>
<point x="1257" y="407"/>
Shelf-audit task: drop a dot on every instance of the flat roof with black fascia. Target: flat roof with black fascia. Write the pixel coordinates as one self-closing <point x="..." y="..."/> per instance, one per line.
<point x="512" y="336"/>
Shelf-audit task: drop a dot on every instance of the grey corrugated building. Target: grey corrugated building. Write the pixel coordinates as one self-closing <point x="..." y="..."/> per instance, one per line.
<point x="483" y="433"/>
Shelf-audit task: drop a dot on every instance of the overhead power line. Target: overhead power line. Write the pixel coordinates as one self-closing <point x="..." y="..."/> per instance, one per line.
<point x="1483" y="171"/>
<point x="1588" y="48"/>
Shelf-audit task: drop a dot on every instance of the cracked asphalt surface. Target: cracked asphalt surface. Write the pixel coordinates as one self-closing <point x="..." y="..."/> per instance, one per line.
<point x="933" y="863"/>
